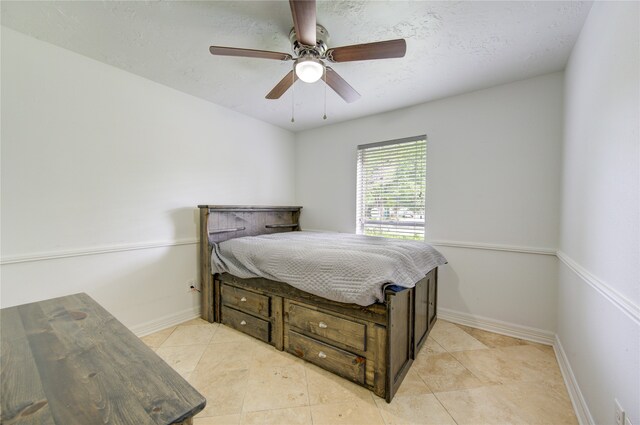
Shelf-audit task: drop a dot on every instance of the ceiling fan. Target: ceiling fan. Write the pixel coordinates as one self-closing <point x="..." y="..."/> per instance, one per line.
<point x="309" y="43"/>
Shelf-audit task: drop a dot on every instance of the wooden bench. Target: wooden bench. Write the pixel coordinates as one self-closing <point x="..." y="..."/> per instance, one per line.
<point x="69" y="361"/>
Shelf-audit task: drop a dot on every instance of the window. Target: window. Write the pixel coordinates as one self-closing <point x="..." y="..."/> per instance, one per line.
<point x="391" y="188"/>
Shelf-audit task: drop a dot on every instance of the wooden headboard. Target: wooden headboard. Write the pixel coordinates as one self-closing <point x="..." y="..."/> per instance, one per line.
<point x="219" y="223"/>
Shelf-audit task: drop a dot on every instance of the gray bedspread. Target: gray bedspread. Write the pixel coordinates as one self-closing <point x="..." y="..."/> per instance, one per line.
<point x="339" y="266"/>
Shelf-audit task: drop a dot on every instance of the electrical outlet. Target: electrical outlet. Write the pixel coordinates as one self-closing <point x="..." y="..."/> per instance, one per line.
<point x="627" y="421"/>
<point x="191" y="285"/>
<point x="619" y="413"/>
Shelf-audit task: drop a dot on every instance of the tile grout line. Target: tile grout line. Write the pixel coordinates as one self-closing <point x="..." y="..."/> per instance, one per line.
<point x="306" y="380"/>
<point x="469" y="370"/>
<point x="424" y="347"/>
<point x="243" y="412"/>
<point x="163" y="341"/>
<point x="445" y="408"/>
<point x="434" y="393"/>
<point x="215" y="330"/>
<point x="462" y="364"/>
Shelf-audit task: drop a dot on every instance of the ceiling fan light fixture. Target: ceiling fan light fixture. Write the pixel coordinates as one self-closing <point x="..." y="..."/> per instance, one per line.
<point x="309" y="70"/>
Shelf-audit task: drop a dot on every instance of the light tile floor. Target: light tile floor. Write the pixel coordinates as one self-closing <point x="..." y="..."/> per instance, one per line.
<point x="461" y="376"/>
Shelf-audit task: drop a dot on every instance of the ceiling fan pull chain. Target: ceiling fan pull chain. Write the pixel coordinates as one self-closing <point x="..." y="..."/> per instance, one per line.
<point x="324" y="75"/>
<point x="293" y="92"/>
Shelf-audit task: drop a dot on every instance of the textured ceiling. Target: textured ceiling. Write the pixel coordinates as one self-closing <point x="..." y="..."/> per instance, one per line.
<point x="452" y="48"/>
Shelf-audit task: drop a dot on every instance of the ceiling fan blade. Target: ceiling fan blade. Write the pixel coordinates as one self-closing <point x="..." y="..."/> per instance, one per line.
<point x="249" y="53"/>
<point x="304" y="20"/>
<point x="362" y="52"/>
<point x="282" y="86"/>
<point x="340" y="86"/>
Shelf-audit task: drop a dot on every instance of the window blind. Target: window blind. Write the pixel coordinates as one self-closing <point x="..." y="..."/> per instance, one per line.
<point x="391" y="188"/>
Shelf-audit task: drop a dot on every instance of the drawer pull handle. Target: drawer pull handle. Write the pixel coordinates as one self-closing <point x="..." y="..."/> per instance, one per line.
<point x="243" y="323"/>
<point x="322" y="325"/>
<point x="243" y="299"/>
<point x="322" y="355"/>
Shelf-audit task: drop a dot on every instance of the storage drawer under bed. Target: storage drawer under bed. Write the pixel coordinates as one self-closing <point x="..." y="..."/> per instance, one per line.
<point x="246" y="323"/>
<point x="247" y="301"/>
<point x="340" y="362"/>
<point x="328" y="327"/>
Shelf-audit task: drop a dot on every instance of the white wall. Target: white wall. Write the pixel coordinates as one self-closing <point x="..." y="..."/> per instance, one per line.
<point x="95" y="159"/>
<point x="599" y="295"/>
<point x="493" y="167"/>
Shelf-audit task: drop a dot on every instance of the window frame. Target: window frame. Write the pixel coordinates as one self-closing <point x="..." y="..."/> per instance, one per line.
<point x="386" y="227"/>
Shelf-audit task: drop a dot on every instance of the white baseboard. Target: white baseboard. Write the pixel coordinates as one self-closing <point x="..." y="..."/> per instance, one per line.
<point x="577" y="399"/>
<point x="497" y="326"/>
<point x="165" y="322"/>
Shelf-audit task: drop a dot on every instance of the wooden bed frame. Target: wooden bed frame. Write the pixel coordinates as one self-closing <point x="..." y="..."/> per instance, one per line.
<point x="373" y="346"/>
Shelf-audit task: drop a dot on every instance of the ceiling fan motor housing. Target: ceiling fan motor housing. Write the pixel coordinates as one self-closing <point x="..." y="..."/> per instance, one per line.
<point x="317" y="51"/>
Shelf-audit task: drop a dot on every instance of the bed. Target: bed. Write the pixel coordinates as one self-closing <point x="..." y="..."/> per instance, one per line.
<point x="372" y="345"/>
